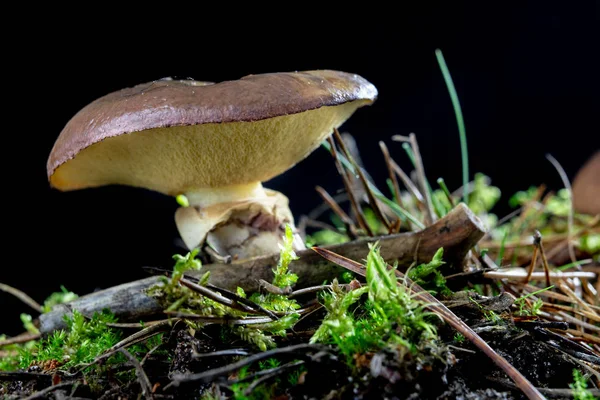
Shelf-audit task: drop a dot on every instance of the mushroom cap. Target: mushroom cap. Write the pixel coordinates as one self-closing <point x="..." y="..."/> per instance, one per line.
<point x="586" y="187"/>
<point x="173" y="136"/>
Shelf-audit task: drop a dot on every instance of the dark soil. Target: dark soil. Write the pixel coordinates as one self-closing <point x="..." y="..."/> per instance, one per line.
<point x="453" y="370"/>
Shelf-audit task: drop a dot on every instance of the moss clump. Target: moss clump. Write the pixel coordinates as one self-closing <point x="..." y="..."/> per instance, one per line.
<point x="391" y="317"/>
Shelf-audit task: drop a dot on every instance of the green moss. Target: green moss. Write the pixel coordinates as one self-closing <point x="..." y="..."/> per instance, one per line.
<point x="579" y="386"/>
<point x="64" y="296"/>
<point x="428" y="275"/>
<point x="391" y="316"/>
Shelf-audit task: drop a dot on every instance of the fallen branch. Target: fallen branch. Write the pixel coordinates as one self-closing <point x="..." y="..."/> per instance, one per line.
<point x="457" y="233"/>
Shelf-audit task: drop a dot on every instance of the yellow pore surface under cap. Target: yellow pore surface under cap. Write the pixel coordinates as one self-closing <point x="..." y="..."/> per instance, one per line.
<point x="182" y="158"/>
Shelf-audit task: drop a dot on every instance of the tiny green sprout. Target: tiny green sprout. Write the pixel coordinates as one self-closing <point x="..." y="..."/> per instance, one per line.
<point x="488" y="314"/>
<point x="185" y="263"/>
<point x="64" y="296"/>
<point x="428" y="274"/>
<point x="346" y="277"/>
<point x="28" y="324"/>
<point x="535" y="308"/>
<point x="484" y="196"/>
<point x="442" y="184"/>
<point x="590" y="243"/>
<point x="459" y="337"/>
<point x="579" y="387"/>
<point x="326" y="237"/>
<point x="282" y="277"/>
<point x="182" y="200"/>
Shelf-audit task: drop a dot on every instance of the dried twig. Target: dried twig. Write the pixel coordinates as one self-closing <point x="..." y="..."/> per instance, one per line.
<point x="393" y="179"/>
<point x="518" y="274"/>
<point x="42" y="394"/>
<point x="270" y="374"/>
<point x="422" y="178"/>
<point x="567" y="183"/>
<point x="140" y="373"/>
<point x="346" y="179"/>
<point x="21" y="296"/>
<point x="298" y="350"/>
<point x="22" y="338"/>
<point x="350" y="227"/>
<point x="372" y="200"/>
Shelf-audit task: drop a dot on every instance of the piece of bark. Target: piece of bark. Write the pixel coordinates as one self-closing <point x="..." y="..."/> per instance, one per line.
<point x="457" y="233"/>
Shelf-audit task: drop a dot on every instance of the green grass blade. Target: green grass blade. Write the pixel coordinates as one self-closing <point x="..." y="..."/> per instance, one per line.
<point x="459" y="121"/>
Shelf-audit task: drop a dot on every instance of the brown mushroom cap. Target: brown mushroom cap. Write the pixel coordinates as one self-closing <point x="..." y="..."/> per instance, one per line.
<point x="172" y="136"/>
<point x="586" y="187"/>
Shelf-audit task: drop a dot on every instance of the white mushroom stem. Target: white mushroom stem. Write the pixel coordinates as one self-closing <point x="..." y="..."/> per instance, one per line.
<point x="242" y="221"/>
<point x="205" y="197"/>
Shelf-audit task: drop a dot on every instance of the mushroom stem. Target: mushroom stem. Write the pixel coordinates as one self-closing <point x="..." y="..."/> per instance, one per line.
<point x="204" y="197"/>
<point x="239" y="221"/>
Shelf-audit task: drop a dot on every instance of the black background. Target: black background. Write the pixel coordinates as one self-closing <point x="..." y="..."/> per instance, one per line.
<point x="526" y="75"/>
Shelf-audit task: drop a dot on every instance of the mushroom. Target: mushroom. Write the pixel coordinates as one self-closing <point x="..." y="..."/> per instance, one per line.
<point x="586" y="187"/>
<point x="213" y="143"/>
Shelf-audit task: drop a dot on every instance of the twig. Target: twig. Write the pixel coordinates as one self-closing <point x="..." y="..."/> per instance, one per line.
<point x="393" y="206"/>
<point x="209" y="375"/>
<point x="271" y="373"/>
<point x="209" y="319"/>
<point x="363" y="179"/>
<point x="586" y="336"/>
<point x="346" y="179"/>
<point x="518" y="274"/>
<point x="583" y="313"/>
<point x="22" y="338"/>
<point x="567" y="346"/>
<point x="149" y="353"/>
<point x="45" y="379"/>
<point x="41" y="394"/>
<point x="421" y="174"/>
<point x="313" y="289"/>
<point x="229" y="352"/>
<point x="140" y="373"/>
<point x="392" y="175"/>
<point x="437" y="307"/>
<point x="565" y="289"/>
<point x="134" y="325"/>
<point x="350" y="227"/>
<point x="567" y="183"/>
<point x="533" y="259"/>
<point x="539" y="243"/>
<point x="408" y="183"/>
<point x="137" y="337"/>
<point x="551" y="392"/>
<point x="21" y="296"/>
